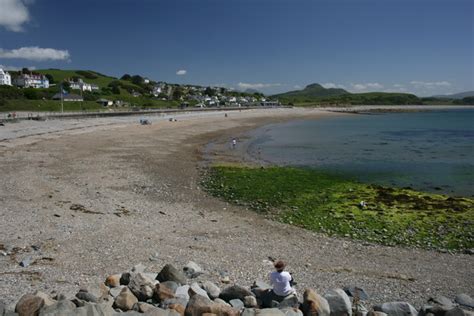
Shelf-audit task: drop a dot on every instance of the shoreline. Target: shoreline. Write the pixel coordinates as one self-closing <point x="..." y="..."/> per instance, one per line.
<point x="149" y="176"/>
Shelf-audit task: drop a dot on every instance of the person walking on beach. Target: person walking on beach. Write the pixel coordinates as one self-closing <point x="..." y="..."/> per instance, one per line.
<point x="281" y="282"/>
<point x="234" y="143"/>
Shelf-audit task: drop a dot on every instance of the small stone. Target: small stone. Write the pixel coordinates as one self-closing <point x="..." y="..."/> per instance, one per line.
<point x="192" y="269"/>
<point x="86" y="296"/>
<point x="233" y="292"/>
<point x="25" y="262"/>
<point x="125" y="300"/>
<point x="396" y="309"/>
<point x="141" y="286"/>
<point x="139" y="268"/>
<point x="212" y="289"/>
<point x="198" y="290"/>
<point x="29" y="305"/>
<point x="465" y="300"/>
<point x="170" y="273"/>
<point x="225" y="279"/>
<point x="125" y="278"/>
<point x="113" y="280"/>
<point x="250" y="301"/>
<point x="237" y="304"/>
<point x="354" y="291"/>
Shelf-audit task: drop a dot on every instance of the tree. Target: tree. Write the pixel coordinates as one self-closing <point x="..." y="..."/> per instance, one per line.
<point x="66" y="86"/>
<point x="50" y="78"/>
<point x="25" y="71"/>
<point x="126" y="77"/>
<point x="209" y="91"/>
<point x="177" y="93"/>
<point x="115" y="89"/>
<point x="137" y="80"/>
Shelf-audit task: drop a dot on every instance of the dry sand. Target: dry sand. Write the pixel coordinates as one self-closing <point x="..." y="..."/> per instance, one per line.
<point x="139" y="188"/>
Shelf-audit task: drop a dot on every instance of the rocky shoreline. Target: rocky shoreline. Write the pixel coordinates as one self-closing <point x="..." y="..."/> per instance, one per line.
<point x="188" y="292"/>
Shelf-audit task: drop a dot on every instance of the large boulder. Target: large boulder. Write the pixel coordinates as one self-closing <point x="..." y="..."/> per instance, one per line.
<point x="95" y="310"/>
<point x="29" y="305"/>
<point x="234" y="292"/>
<point x="396" y="309"/>
<point x="199" y="305"/>
<point x="86" y="296"/>
<point x="213" y="291"/>
<point x="170" y="273"/>
<point x="314" y="304"/>
<point x="141" y="286"/>
<point x="339" y="303"/>
<point x="458" y="312"/>
<point x="125" y="300"/>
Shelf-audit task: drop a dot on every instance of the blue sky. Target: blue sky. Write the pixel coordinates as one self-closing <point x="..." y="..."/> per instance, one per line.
<point x="421" y="46"/>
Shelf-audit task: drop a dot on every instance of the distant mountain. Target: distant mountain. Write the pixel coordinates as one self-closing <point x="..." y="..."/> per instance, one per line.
<point x="251" y="91"/>
<point x="460" y="95"/>
<point x="311" y="91"/>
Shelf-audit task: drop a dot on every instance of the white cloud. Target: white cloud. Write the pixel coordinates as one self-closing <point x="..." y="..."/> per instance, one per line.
<point x="13" y="14"/>
<point x="14" y="68"/>
<point x="366" y="86"/>
<point x="243" y="85"/>
<point x="397" y="85"/>
<point x="329" y="85"/>
<point x="297" y="86"/>
<point x="35" y="53"/>
<point x="181" y="72"/>
<point x="430" y="85"/>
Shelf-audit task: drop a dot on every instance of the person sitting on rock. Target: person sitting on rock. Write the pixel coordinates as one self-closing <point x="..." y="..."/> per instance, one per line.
<point x="281" y="282"/>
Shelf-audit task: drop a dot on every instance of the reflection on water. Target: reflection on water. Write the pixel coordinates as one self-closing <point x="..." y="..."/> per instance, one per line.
<point x="430" y="151"/>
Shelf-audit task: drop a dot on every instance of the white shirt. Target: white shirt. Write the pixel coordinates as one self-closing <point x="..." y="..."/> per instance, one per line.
<point x="281" y="283"/>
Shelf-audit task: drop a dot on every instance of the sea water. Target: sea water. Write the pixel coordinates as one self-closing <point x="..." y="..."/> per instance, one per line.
<point x="429" y="151"/>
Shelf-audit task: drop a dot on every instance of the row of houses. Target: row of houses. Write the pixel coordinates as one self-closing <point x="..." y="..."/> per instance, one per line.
<point x="24" y="80"/>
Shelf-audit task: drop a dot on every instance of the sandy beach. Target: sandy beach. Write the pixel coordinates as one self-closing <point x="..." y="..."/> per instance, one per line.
<point x="88" y="198"/>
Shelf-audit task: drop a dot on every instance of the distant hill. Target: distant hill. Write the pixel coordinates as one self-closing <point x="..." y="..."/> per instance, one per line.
<point x="311" y="91"/>
<point x="460" y="95"/>
<point x="315" y="94"/>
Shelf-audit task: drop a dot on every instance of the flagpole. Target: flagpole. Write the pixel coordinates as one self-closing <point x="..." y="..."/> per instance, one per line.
<point x="62" y="105"/>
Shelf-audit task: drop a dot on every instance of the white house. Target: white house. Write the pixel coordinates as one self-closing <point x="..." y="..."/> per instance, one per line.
<point x="31" y="81"/>
<point x="83" y="86"/>
<point x="5" y="78"/>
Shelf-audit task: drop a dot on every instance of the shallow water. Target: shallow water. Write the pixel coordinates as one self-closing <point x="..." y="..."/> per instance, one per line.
<point x="430" y="151"/>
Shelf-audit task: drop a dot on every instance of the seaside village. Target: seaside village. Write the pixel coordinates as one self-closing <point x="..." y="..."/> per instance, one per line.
<point x="76" y="89"/>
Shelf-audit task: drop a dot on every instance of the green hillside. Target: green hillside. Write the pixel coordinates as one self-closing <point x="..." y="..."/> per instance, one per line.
<point x="86" y="75"/>
<point x="315" y="95"/>
<point x="309" y="93"/>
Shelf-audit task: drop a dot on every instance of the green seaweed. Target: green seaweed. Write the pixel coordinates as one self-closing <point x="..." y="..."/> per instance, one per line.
<point x="327" y="203"/>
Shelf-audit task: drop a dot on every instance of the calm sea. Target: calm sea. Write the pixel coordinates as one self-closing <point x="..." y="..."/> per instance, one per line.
<point x="430" y="151"/>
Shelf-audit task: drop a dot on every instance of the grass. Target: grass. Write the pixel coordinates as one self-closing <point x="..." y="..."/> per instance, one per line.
<point x="326" y="203"/>
<point x="48" y="106"/>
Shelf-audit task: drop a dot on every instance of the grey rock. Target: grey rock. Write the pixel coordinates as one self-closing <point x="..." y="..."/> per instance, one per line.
<point x="221" y="301"/>
<point x="78" y="302"/>
<point x="291" y="301"/>
<point x="269" y="312"/>
<point x="198" y="290"/>
<point x="170" y="273"/>
<point x="339" y="303"/>
<point x="248" y="312"/>
<point x="171" y="285"/>
<point x="115" y="291"/>
<point x="233" y="292"/>
<point x="236" y="303"/>
<point x="141" y="286"/>
<point x="183" y="291"/>
<point x="192" y="269"/>
<point x="2" y="308"/>
<point x="151" y="310"/>
<point x="86" y="296"/>
<point x="212" y="289"/>
<point x="314" y="304"/>
<point x="95" y="310"/>
<point x="174" y="301"/>
<point x="26" y="262"/>
<point x="396" y="309"/>
<point x="457" y="312"/>
<point x="291" y="311"/>
<point x="61" y="308"/>
<point x="250" y="301"/>
<point x="465" y="300"/>
<point x="441" y="300"/>
<point x="139" y="268"/>
<point x="354" y="291"/>
<point x="376" y="313"/>
<point x="261" y="284"/>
